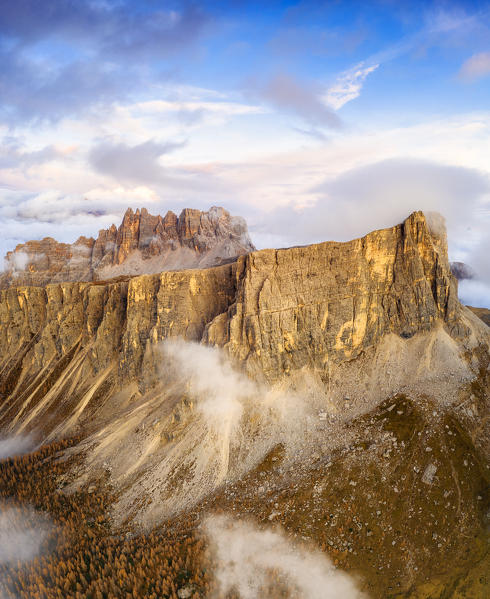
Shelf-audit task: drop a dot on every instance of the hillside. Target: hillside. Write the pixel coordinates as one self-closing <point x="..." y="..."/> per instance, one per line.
<point x="482" y="313"/>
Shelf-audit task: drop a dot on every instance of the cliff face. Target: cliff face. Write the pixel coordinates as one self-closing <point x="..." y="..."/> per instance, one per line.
<point x="308" y="305"/>
<point x="67" y="348"/>
<point x="142" y="244"/>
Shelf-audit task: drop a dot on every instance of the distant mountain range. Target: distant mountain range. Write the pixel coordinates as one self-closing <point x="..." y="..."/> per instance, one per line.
<point x="143" y="244"/>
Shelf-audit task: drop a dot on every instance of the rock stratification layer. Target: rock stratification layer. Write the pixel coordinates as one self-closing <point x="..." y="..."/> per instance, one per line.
<point x="273" y="311"/>
<point x="142" y="244"/>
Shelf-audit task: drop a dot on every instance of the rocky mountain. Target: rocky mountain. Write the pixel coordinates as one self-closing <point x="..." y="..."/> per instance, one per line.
<point x="274" y="311"/>
<point x="339" y="390"/>
<point x="143" y="243"/>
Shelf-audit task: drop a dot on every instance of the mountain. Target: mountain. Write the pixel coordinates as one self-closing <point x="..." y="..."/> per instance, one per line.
<point x="142" y="244"/>
<point x="339" y="390"/>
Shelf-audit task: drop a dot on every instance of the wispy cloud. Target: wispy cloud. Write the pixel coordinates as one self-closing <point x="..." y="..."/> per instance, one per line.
<point x="300" y="98"/>
<point x="348" y="86"/>
<point x="476" y="67"/>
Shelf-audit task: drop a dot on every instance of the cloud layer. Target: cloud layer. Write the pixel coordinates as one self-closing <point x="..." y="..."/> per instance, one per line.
<point x="76" y="54"/>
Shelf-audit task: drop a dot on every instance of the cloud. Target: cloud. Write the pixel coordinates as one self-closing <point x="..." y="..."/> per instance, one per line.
<point x="476" y="67"/>
<point x="139" y="163"/>
<point x="22" y="533"/>
<point x="301" y="99"/>
<point x="114" y="29"/>
<point x="26" y="216"/>
<point x="14" y="446"/>
<point x="348" y="86"/>
<point x="76" y="55"/>
<point x="476" y="291"/>
<point x="197" y="105"/>
<point x="252" y="560"/>
<point x="13" y="155"/>
<point x="479" y="259"/>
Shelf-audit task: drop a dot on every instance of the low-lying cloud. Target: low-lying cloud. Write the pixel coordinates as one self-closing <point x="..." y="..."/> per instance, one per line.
<point x="14" y="446"/>
<point x="252" y="562"/>
<point x="23" y="531"/>
<point x="24" y="534"/>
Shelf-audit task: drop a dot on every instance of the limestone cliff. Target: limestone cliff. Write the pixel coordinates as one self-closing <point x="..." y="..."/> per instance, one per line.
<point x="68" y="348"/>
<point x="142" y="244"/>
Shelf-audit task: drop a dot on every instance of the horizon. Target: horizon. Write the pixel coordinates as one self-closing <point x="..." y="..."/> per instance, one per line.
<point x="313" y="121"/>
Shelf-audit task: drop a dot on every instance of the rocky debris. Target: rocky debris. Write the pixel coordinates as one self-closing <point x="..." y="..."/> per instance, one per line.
<point x="143" y="244"/>
<point x="429" y="474"/>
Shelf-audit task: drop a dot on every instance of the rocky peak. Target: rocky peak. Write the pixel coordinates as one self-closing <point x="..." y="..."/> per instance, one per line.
<point x="143" y="243"/>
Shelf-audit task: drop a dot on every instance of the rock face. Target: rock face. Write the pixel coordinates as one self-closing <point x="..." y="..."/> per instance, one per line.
<point x="273" y="311"/>
<point x="142" y="244"/>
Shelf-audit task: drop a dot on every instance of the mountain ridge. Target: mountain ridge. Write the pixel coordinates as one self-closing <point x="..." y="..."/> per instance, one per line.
<point x="143" y="243"/>
<point x="267" y="311"/>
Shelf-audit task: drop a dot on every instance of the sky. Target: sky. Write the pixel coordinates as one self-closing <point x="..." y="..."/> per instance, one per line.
<point x="313" y="120"/>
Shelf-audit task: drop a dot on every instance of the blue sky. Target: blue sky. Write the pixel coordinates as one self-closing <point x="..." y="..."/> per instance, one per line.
<point x="314" y="120"/>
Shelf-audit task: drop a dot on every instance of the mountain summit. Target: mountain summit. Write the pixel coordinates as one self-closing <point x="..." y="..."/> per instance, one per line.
<point x="143" y="244"/>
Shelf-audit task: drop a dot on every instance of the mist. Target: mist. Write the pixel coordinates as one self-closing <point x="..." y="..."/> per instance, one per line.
<point x="236" y="419"/>
<point x="23" y="531"/>
<point x="14" y="446"/>
<point x="24" y="534"/>
<point x="253" y="561"/>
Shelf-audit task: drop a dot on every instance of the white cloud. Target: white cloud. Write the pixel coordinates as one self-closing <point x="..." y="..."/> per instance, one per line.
<point x="250" y="559"/>
<point x="348" y="86"/>
<point x="224" y="108"/>
<point x="476" y="67"/>
<point x="24" y="534"/>
<point x="15" y="446"/>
